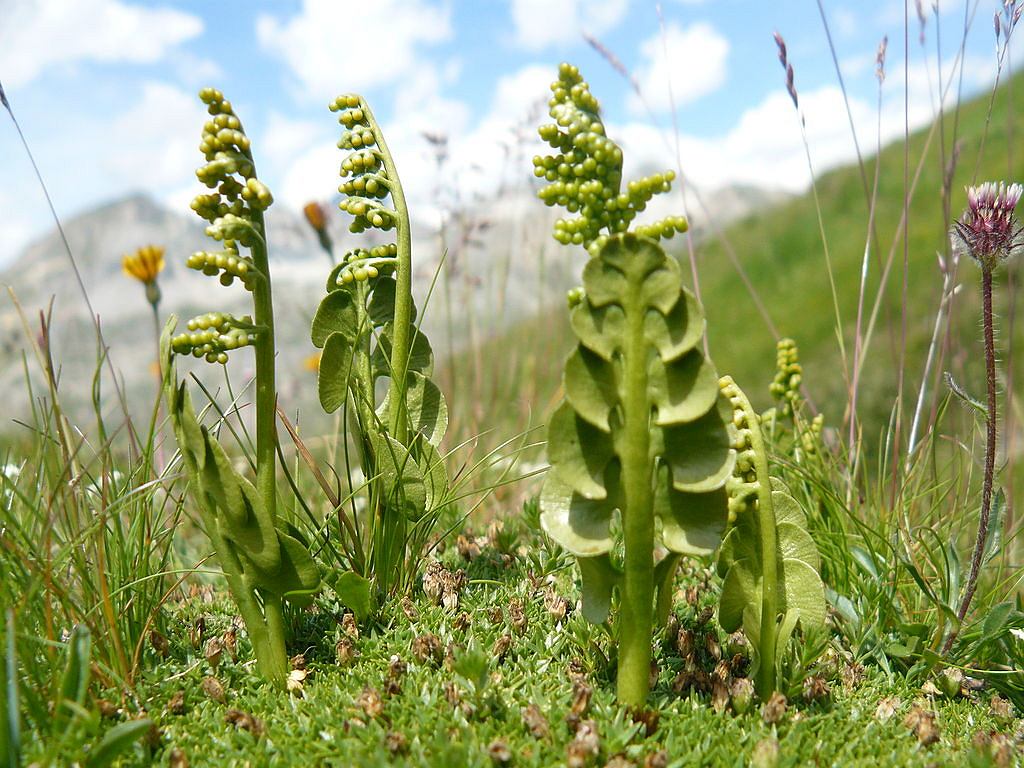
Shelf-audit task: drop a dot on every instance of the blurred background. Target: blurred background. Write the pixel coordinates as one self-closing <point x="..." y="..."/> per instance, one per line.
<point x="105" y="93"/>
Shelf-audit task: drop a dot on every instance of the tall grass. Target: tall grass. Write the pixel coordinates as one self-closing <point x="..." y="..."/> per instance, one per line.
<point x="92" y="515"/>
<point x="87" y="528"/>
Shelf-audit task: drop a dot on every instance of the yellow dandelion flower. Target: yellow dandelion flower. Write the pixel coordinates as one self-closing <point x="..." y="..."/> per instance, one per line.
<point x="315" y="216"/>
<point x="145" y="264"/>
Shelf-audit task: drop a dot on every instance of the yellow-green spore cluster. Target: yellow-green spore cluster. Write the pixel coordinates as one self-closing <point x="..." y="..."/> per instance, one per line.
<point x="366" y="183"/>
<point x="584" y="174"/>
<point x="228" y="264"/>
<point x="365" y="264"/>
<point x="785" y="387"/>
<point x="234" y="209"/>
<point x="229" y="169"/>
<point x="213" y="335"/>
<point x="743" y="486"/>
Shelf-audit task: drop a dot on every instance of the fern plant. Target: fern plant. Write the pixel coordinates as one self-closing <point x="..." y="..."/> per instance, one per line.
<point x="643" y="439"/>
<point x="264" y="559"/>
<point x="366" y="329"/>
<point x="768" y="561"/>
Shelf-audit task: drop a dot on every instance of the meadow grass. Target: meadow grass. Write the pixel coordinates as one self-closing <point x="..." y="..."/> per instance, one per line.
<point x="466" y="706"/>
<point x="96" y="532"/>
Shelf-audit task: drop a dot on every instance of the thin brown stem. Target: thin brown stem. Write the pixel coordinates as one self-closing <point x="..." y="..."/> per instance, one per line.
<point x="990" y="457"/>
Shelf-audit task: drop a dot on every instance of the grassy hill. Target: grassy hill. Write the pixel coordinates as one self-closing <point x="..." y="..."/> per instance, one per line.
<point x="780" y="249"/>
<point x="782" y="253"/>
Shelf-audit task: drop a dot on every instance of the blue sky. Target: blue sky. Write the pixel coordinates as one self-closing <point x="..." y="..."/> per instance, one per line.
<point x="105" y="89"/>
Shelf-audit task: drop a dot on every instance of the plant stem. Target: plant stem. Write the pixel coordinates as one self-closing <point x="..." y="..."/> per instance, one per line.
<point x="768" y="542"/>
<point x="266" y="391"/>
<point x="265" y="627"/>
<point x="635" y="619"/>
<point x="267" y="632"/>
<point x="400" y="340"/>
<point x="765" y="682"/>
<point x="990" y="457"/>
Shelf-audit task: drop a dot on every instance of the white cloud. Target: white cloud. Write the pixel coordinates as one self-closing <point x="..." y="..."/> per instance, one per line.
<point x="37" y="35"/>
<point x="18" y="224"/>
<point x="542" y="23"/>
<point x="846" y="22"/>
<point x="299" y="159"/>
<point x="154" y="142"/>
<point x="695" y="66"/>
<point x="196" y="71"/>
<point x="303" y="160"/>
<point x="330" y="45"/>
<point x="519" y="92"/>
<point x="765" y="147"/>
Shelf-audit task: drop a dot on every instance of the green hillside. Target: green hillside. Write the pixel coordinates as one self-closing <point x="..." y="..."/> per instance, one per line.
<point x="781" y="251"/>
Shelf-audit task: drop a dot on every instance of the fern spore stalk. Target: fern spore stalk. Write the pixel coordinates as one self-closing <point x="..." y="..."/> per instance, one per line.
<point x="366" y="327"/>
<point x="638" y="526"/>
<point x="360" y="114"/>
<point x="643" y="433"/>
<point x="264" y="559"/>
<point x="768" y="560"/>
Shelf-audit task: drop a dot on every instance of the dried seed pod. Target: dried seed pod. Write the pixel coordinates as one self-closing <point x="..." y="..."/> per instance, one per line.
<point x="774" y="710"/>
<point x="535" y="721"/>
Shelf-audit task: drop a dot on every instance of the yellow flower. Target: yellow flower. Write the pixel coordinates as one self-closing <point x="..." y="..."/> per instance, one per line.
<point x="312" y="363"/>
<point x="315" y="216"/>
<point x="145" y="264"/>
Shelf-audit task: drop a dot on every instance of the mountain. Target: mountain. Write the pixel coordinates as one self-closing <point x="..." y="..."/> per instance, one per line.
<point x="501" y="266"/>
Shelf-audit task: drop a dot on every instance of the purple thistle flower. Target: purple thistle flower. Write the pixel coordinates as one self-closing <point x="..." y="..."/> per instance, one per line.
<point x="989" y="231"/>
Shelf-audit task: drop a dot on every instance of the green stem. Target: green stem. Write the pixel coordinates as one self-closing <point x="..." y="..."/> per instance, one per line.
<point x="265" y="626"/>
<point x="769" y="558"/>
<point x="266" y="391"/>
<point x="400" y="342"/>
<point x="151" y="437"/>
<point x="267" y="630"/>
<point x="277" y="649"/>
<point x="990" y="457"/>
<point x="636" y="614"/>
<point x="364" y="394"/>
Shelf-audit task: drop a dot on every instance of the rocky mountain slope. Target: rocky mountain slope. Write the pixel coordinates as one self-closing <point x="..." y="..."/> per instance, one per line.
<point x="500" y="266"/>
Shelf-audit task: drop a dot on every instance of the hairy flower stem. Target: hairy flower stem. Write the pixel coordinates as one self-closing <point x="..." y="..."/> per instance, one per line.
<point x="990" y="457"/>
<point x="401" y="340"/>
<point x="636" y="619"/>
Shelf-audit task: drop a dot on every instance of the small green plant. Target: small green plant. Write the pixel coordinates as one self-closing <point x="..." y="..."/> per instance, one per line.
<point x="643" y="435"/>
<point x="70" y="734"/>
<point x="366" y="329"/>
<point x="264" y="559"/>
<point x="768" y="560"/>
